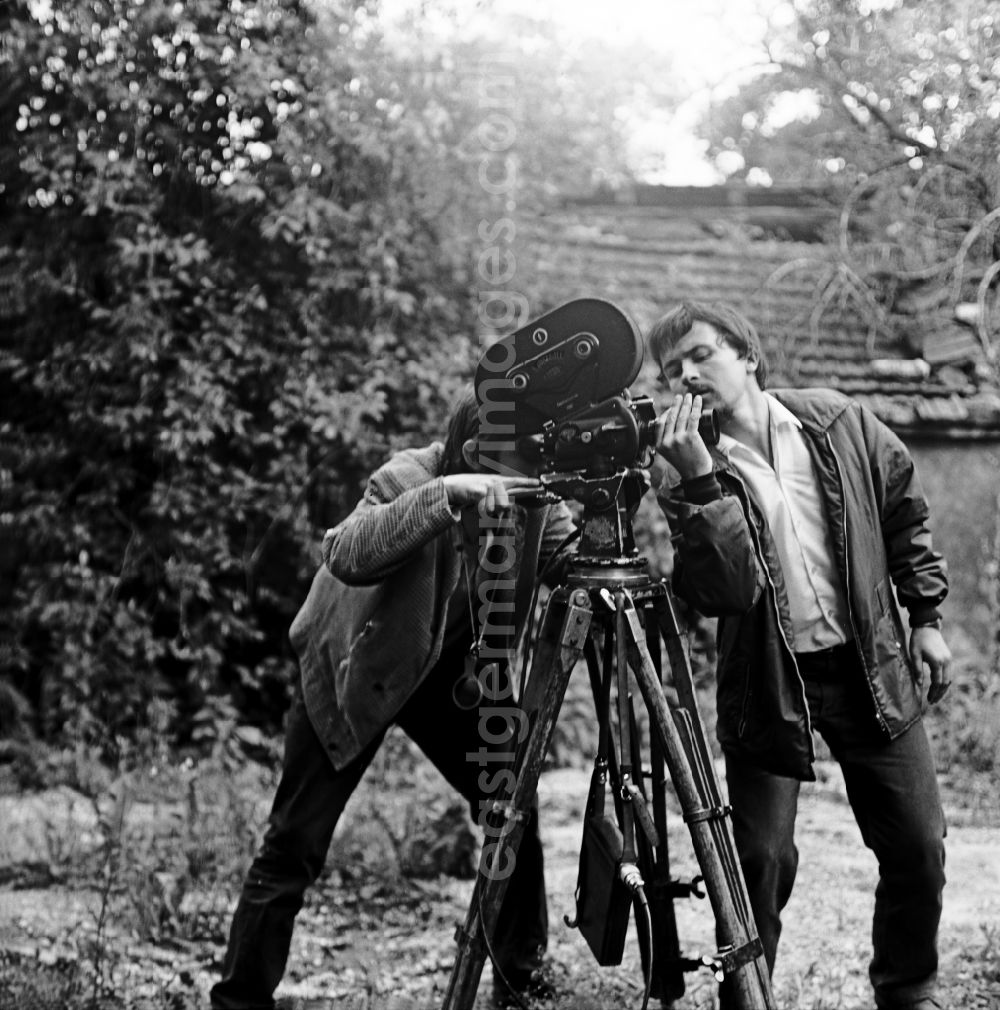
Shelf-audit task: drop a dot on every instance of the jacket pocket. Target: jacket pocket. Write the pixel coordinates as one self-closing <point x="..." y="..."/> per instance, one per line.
<point x="889" y="651"/>
<point x="895" y="682"/>
<point x="882" y="598"/>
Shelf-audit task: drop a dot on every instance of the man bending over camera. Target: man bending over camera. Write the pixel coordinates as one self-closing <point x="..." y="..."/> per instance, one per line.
<point x="384" y="638"/>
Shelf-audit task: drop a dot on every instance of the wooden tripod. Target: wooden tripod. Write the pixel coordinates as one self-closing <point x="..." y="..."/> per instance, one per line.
<point x="609" y="596"/>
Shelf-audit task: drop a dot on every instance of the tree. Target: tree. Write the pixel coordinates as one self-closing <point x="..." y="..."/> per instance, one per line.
<point x="558" y="106"/>
<point x="222" y="304"/>
<point x="879" y="82"/>
<point x="899" y="105"/>
<point x="241" y="247"/>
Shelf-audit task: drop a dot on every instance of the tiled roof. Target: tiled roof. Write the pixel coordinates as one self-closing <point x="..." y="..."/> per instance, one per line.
<point x="927" y="377"/>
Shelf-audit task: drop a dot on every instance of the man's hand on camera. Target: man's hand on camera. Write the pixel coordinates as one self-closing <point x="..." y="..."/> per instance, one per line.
<point x="493" y="492"/>
<point x="679" y="442"/>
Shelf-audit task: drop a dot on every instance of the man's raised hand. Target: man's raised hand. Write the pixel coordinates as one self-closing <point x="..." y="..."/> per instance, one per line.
<point x="679" y="442"/>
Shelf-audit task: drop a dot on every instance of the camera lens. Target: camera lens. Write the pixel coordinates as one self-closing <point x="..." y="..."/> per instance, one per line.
<point x="708" y="428"/>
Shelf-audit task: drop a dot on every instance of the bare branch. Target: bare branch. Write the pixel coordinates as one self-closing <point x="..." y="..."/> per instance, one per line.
<point x="982" y="330"/>
<point x="967" y="243"/>
<point x="895" y="130"/>
<point x="827" y="295"/>
<point x="861" y="291"/>
<point x="823" y="71"/>
<point x="852" y="198"/>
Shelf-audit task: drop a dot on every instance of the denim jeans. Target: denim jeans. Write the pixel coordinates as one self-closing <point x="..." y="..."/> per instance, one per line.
<point x="893" y="792"/>
<point x="310" y="798"/>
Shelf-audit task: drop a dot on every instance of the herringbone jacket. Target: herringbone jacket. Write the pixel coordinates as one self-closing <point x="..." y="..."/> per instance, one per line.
<point x="372" y="626"/>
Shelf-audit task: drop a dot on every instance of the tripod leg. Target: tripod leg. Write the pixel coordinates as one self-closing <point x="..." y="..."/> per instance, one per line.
<point x="668" y="978"/>
<point x="741" y="957"/>
<point x="680" y="666"/>
<point x="560" y="643"/>
<point x="692" y="729"/>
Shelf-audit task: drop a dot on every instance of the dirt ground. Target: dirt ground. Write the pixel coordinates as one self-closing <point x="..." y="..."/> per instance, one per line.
<point x="368" y="939"/>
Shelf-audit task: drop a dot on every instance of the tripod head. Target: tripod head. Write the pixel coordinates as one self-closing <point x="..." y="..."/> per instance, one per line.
<point x="556" y="389"/>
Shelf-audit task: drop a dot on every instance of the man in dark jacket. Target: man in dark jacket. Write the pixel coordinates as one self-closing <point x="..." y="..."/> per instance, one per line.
<point x="823" y="499"/>
<point x="436" y="553"/>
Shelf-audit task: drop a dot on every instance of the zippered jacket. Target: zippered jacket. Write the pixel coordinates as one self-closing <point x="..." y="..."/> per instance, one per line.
<point x="878" y="519"/>
<point x="373" y="624"/>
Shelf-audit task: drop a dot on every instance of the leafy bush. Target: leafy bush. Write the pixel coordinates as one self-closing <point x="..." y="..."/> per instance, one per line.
<point x="221" y="305"/>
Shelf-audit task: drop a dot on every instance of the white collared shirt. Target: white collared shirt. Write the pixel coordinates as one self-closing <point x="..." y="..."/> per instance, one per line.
<point x="789" y="496"/>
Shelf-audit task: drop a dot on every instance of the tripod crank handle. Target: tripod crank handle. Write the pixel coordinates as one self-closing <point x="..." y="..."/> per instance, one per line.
<point x="714" y="965"/>
<point x="727" y="960"/>
<point x="678" y="889"/>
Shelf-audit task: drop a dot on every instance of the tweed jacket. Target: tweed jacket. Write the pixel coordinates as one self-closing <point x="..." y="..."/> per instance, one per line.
<point x="373" y="623"/>
<point x="726" y="565"/>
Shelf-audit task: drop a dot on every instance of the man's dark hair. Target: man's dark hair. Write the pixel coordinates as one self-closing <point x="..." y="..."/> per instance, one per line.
<point x="734" y="328"/>
<point x="463" y="424"/>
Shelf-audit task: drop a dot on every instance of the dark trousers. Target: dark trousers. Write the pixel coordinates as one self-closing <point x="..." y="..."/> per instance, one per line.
<point x="892" y="789"/>
<point x="310" y="798"/>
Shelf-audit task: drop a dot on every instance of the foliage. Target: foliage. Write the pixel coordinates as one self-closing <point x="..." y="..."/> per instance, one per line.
<point x="235" y="270"/>
<point x="893" y="109"/>
<point x="221" y="305"/>
<point x="876" y="84"/>
<point x="512" y="118"/>
<point x="569" y="102"/>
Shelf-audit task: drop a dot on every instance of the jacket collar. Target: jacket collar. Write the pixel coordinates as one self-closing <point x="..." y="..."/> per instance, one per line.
<point x="817" y="409"/>
<point x="778" y="415"/>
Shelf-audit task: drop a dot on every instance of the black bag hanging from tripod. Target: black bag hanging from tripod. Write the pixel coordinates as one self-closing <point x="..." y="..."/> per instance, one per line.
<point x="603" y="901"/>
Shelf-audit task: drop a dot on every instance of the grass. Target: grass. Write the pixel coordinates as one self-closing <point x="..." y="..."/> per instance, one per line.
<point x="160" y="854"/>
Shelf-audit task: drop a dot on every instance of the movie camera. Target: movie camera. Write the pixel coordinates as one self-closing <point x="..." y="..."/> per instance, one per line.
<point x="563" y="380"/>
<point x="559" y="387"/>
